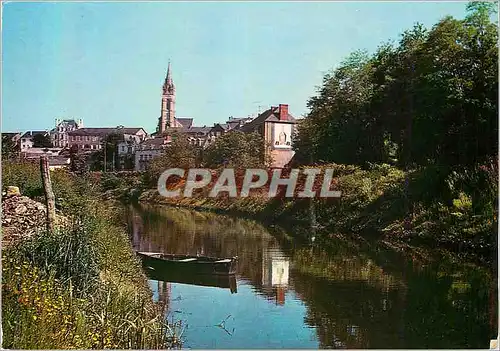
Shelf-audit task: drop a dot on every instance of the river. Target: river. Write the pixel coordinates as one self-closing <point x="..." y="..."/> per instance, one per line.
<point x="291" y="295"/>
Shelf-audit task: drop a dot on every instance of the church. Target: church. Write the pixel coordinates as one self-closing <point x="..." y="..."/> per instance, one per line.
<point x="276" y="125"/>
<point x="167" y="117"/>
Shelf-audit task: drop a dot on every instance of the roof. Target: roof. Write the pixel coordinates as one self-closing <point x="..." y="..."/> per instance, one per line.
<point x="270" y="115"/>
<point x="68" y="121"/>
<point x="59" y="161"/>
<point x="31" y="133"/>
<point x="105" y="131"/>
<point x="154" y="142"/>
<point x="186" y="122"/>
<point x="196" y="130"/>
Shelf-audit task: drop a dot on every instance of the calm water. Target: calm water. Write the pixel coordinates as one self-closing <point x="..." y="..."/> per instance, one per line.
<point x="291" y="295"/>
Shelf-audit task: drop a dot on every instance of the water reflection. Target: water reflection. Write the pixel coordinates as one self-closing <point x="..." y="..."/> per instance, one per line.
<point x="291" y="296"/>
<point x="275" y="273"/>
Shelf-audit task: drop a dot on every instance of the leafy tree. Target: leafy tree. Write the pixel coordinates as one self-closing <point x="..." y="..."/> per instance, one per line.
<point x="107" y="154"/>
<point x="178" y="154"/>
<point x="78" y="161"/>
<point x="236" y="150"/>
<point x="42" y="140"/>
<point x="429" y="99"/>
<point x="10" y="149"/>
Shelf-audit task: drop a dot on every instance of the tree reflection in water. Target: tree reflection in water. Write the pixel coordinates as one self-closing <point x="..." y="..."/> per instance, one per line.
<point x="354" y="297"/>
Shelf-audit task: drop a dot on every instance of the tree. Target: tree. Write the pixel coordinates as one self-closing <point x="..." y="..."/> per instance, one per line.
<point x="429" y="99"/>
<point x="10" y="149"/>
<point x="42" y="140"/>
<point x="178" y="154"/>
<point x="103" y="159"/>
<point x="78" y="162"/>
<point x="236" y="150"/>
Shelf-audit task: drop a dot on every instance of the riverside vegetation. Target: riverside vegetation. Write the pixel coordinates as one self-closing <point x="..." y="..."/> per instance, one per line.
<point x="80" y="286"/>
<point x="411" y="132"/>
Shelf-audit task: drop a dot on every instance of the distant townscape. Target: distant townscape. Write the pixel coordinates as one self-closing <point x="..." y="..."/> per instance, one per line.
<point x="135" y="147"/>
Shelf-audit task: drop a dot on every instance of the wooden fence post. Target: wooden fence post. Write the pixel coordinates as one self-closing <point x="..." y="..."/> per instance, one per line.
<point x="50" y="200"/>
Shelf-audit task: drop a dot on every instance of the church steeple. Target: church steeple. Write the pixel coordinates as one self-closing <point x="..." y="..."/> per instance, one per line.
<point x="167" y="117"/>
<point x="168" y="85"/>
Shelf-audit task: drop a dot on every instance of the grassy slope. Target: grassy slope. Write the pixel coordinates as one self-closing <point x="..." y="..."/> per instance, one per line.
<point x="82" y="286"/>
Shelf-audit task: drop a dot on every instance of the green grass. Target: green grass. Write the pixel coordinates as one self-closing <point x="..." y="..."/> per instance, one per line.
<point x="80" y="286"/>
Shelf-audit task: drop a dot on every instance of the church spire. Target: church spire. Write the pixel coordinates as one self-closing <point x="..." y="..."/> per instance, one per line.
<point x="169" y="77"/>
<point x="168" y="86"/>
<point x="167" y="117"/>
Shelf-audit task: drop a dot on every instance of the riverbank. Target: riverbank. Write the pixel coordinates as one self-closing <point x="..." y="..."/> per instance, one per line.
<point x="80" y="286"/>
<point x="430" y="207"/>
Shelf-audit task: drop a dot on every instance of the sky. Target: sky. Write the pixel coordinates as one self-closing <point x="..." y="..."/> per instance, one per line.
<point x="106" y="62"/>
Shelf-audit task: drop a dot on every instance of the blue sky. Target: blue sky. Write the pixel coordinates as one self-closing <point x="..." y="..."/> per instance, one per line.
<point x="106" y="62"/>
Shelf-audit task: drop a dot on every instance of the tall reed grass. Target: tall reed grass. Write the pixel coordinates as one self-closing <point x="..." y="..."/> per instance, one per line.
<point x="81" y="286"/>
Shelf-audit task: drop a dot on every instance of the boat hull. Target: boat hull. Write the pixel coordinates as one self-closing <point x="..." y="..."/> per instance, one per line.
<point x="194" y="265"/>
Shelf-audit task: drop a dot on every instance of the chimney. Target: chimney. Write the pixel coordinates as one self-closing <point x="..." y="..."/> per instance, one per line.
<point x="283" y="111"/>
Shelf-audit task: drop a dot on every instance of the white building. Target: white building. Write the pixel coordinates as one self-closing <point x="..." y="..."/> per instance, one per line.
<point x="59" y="135"/>
<point x="27" y="139"/>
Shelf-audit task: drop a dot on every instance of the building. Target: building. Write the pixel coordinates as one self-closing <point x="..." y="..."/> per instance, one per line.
<point x="148" y="150"/>
<point x="203" y="136"/>
<point x="89" y="139"/>
<point x="59" y="135"/>
<point x="27" y="139"/>
<point x="233" y="123"/>
<point x="59" y="162"/>
<point x="276" y="126"/>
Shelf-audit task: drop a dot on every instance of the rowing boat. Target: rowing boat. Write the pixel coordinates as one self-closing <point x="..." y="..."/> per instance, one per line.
<point x="189" y="264"/>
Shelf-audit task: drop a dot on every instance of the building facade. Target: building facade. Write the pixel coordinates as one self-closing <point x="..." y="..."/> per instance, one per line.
<point x="276" y="125"/>
<point x="90" y="139"/>
<point x="147" y="151"/>
<point x="27" y="139"/>
<point x="59" y="135"/>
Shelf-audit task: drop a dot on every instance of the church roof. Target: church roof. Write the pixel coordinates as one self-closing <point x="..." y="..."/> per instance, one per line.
<point x="186" y="122"/>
